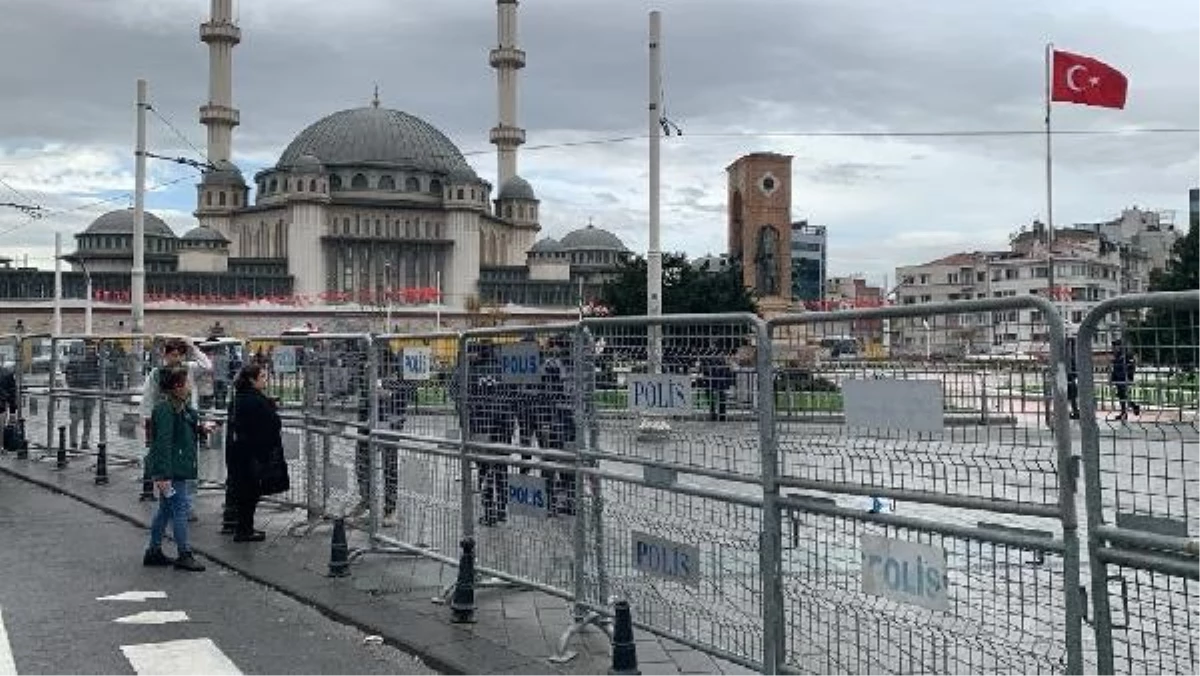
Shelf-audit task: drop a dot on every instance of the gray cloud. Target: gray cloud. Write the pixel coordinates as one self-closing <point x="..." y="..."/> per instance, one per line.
<point x="743" y="67"/>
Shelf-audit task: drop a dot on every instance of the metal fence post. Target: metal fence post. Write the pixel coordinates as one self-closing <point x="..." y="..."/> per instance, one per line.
<point x="374" y="452"/>
<point x="312" y="454"/>
<point x="1060" y="417"/>
<point x="771" y="546"/>
<point x="466" y="487"/>
<point x="51" y="400"/>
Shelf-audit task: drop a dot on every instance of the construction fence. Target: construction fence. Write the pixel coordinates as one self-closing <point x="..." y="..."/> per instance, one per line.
<point x="750" y="494"/>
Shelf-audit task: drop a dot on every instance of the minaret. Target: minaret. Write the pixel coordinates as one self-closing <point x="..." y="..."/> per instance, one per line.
<point x="219" y="115"/>
<point x="507" y="60"/>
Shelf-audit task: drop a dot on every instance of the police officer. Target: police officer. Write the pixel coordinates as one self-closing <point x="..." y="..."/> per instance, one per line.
<point x="490" y="420"/>
<point x="558" y="386"/>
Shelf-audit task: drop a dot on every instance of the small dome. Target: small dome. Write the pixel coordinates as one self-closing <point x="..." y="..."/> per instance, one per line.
<point x="308" y="163"/>
<point x="592" y="238"/>
<point x="462" y="175"/>
<point x="546" y="245"/>
<point x="516" y="188"/>
<point x="226" y="173"/>
<point x="120" y="222"/>
<point x="204" y="234"/>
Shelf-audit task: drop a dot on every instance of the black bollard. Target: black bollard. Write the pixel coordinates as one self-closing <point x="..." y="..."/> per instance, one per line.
<point x="62" y="447"/>
<point x="339" y="552"/>
<point x="624" y="650"/>
<point x="462" y="602"/>
<point x="101" y="464"/>
<point x="22" y="441"/>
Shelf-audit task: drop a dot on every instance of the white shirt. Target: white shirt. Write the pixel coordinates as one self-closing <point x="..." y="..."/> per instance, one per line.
<point x="196" y="363"/>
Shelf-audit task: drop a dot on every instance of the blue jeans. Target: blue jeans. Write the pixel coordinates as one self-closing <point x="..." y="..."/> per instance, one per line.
<point x="174" y="509"/>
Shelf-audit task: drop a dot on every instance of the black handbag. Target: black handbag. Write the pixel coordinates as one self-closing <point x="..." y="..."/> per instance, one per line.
<point x="273" y="476"/>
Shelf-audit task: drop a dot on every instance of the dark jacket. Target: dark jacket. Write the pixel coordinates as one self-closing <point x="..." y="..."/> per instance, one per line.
<point x="255" y="434"/>
<point x="8" y="384"/>
<point x="1123" y="367"/>
<point x="172" y="452"/>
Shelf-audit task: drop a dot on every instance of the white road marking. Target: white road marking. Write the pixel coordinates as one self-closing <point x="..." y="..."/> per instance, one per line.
<point x="154" y="617"/>
<point x="135" y="596"/>
<point x="8" y="666"/>
<point x="190" y="656"/>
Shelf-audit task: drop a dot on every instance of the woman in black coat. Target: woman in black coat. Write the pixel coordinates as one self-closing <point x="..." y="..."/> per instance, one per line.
<point x="254" y="438"/>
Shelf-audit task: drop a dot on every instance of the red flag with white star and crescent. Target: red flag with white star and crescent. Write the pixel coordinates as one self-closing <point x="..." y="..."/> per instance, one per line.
<point x="1082" y="79"/>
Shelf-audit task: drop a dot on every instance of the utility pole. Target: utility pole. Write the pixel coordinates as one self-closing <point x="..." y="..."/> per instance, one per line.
<point x="654" y="427"/>
<point x="30" y="210"/>
<point x="58" y="294"/>
<point x="138" y="281"/>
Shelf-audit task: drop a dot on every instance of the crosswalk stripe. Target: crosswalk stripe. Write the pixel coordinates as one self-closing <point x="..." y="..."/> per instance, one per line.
<point x="154" y="617"/>
<point x="179" y="658"/>
<point x="8" y="666"/>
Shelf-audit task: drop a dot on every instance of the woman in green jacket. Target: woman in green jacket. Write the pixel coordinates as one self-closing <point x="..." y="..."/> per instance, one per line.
<point x="172" y="463"/>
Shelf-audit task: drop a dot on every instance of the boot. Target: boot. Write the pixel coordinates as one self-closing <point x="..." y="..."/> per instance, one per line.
<point x="252" y="536"/>
<point x="188" y="562"/>
<point x="155" y="557"/>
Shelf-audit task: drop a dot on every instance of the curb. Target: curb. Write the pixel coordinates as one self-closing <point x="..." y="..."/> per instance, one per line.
<point x="435" y="662"/>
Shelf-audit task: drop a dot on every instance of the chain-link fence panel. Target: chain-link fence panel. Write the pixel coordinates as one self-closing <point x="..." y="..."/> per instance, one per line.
<point x="416" y="444"/>
<point x="323" y="386"/>
<point x="671" y="481"/>
<point x="930" y="514"/>
<point x="1138" y="389"/>
<point x="516" y="397"/>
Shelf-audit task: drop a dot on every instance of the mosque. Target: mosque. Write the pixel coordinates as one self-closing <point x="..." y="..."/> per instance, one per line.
<point x="367" y="201"/>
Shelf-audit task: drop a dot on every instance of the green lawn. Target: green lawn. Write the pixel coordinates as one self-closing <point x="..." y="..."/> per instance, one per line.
<point x="785" y="402"/>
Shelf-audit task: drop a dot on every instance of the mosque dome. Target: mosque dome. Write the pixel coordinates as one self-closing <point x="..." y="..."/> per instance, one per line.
<point x="546" y="245"/>
<point x="204" y="234"/>
<point x="375" y="136"/>
<point x="591" y="238"/>
<point x="516" y="188"/>
<point x="226" y="173"/>
<point x="120" y="222"/>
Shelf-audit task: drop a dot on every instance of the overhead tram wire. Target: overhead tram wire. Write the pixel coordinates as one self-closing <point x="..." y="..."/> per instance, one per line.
<point x="208" y="162"/>
<point x="89" y="205"/>
<point x="980" y="133"/>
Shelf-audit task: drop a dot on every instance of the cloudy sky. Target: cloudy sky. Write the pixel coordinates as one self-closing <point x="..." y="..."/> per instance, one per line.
<point x="740" y="76"/>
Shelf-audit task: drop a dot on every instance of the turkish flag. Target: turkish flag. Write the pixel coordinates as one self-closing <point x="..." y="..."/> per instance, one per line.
<point x="1082" y="79"/>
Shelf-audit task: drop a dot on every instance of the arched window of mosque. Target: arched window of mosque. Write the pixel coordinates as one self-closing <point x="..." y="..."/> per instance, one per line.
<point x="236" y="199"/>
<point x="273" y="186"/>
<point x="346" y="225"/>
<point x="378" y="228"/>
<point x="312" y="185"/>
<point x="435" y="187"/>
<point x="287" y="185"/>
<point x="222" y="198"/>
<point x="335" y="182"/>
<point x="208" y="198"/>
<point x="520" y="211"/>
<point x="472" y="194"/>
<point x="411" y="184"/>
<point x="359" y="182"/>
<point x="508" y="211"/>
<point x="461" y="194"/>
<point x="386" y="182"/>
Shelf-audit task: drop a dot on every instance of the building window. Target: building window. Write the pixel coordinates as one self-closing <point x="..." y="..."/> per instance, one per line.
<point x="208" y="198"/>
<point x="274" y="186"/>
<point x="435" y="187"/>
<point x="312" y="185"/>
<point x="386" y="182"/>
<point x="411" y="184"/>
<point x="236" y="199"/>
<point x="222" y="198"/>
<point x="508" y="212"/>
<point x="335" y="182"/>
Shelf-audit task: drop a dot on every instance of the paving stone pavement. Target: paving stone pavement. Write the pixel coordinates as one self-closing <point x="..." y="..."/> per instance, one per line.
<point x="516" y="630"/>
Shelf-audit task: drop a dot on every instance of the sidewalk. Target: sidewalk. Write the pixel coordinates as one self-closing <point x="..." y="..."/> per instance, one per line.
<point x="390" y="596"/>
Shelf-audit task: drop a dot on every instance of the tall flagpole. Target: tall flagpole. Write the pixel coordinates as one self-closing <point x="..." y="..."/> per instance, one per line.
<point x="1049" y="177"/>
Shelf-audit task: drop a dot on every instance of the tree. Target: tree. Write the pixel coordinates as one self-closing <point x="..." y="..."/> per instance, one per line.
<point x="1170" y="337"/>
<point x="686" y="290"/>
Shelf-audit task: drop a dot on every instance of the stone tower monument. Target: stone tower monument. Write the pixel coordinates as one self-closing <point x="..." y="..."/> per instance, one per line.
<point x="760" y="218"/>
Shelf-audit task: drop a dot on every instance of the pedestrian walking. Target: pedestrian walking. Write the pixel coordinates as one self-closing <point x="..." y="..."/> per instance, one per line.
<point x="172" y="464"/>
<point x="1121" y="376"/>
<point x="253" y="448"/>
<point x="395" y="395"/>
<point x="9" y="397"/>
<point x="83" y="379"/>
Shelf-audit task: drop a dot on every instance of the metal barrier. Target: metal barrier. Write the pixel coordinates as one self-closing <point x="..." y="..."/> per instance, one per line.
<point x="325" y="387"/>
<point x="1142" y="474"/>
<point x="928" y="526"/>
<point x="415" y="445"/>
<point x="673" y="513"/>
